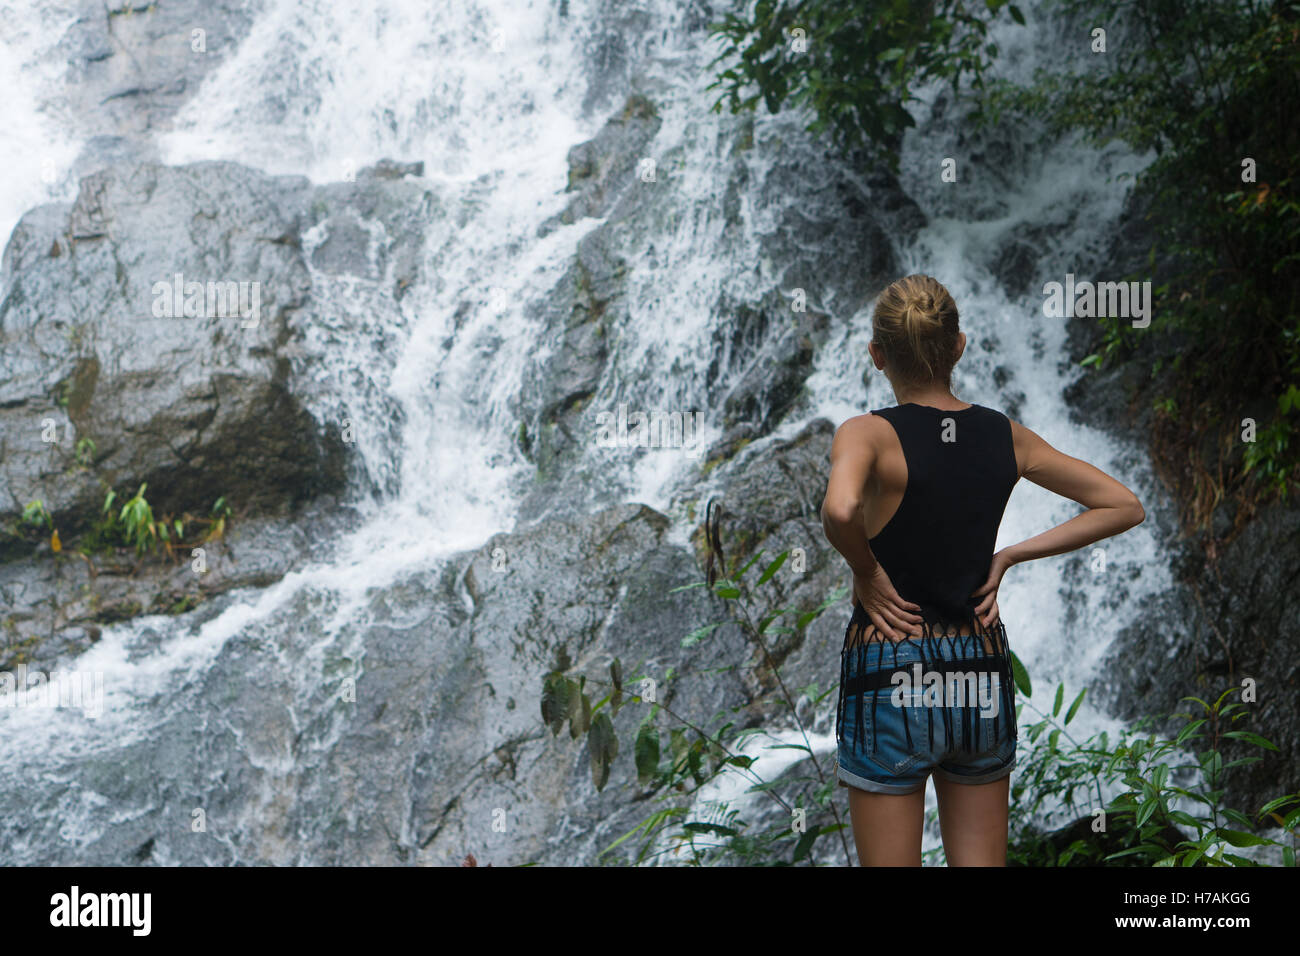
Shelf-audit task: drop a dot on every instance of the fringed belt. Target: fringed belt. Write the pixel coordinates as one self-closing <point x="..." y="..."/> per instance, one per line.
<point x="856" y="681"/>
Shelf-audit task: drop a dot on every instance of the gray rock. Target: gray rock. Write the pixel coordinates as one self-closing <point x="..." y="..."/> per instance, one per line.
<point x="196" y="406"/>
<point x="54" y="607"/>
<point x="443" y="744"/>
<point x="131" y="65"/>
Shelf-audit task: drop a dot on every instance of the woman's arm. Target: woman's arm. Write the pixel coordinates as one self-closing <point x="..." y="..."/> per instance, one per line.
<point x="844" y="521"/>
<point x="1111" y="507"/>
<point x="852" y="458"/>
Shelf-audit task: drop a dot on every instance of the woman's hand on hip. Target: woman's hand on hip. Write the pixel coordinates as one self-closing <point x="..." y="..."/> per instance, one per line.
<point x="893" y="617"/>
<point x="987" y="608"/>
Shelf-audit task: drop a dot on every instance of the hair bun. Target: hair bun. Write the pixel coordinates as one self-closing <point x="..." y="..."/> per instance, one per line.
<point x="915" y="324"/>
<point x="919" y="307"/>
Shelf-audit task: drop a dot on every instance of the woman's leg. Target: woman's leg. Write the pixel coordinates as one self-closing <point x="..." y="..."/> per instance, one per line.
<point x="887" y="827"/>
<point x="973" y="821"/>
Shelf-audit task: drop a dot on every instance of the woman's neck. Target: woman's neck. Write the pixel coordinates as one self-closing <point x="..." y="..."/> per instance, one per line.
<point x="935" y="397"/>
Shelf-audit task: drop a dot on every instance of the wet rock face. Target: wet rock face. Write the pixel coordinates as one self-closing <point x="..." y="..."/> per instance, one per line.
<point x="149" y="330"/>
<point x="131" y="64"/>
<point x="147" y="319"/>
<point x="1233" y="624"/>
<point x="408" y="730"/>
<point x="55" y="608"/>
<point x="439" y="732"/>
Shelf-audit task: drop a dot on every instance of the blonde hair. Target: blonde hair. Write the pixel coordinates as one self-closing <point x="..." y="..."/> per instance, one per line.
<point x="915" y="325"/>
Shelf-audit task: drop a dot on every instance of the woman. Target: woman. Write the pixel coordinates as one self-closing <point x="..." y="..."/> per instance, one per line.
<point x="915" y="496"/>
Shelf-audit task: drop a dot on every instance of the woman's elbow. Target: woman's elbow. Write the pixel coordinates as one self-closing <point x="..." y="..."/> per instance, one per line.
<point x="1137" y="512"/>
<point x="839" y="512"/>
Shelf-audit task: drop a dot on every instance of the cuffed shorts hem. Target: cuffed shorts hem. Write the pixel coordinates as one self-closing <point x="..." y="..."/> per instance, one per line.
<point x="850" y="779"/>
<point x="977" y="777"/>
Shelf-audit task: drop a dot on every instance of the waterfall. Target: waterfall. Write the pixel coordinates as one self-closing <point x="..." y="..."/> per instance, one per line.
<point x="490" y="96"/>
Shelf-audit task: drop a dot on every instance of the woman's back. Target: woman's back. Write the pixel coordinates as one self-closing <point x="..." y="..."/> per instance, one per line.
<point x="943" y="480"/>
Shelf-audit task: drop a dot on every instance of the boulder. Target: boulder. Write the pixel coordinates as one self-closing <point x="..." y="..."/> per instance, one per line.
<point x="142" y="329"/>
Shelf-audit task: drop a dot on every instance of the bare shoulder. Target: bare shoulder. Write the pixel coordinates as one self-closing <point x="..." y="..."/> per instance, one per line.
<point x="861" y="428"/>
<point x="858" y="437"/>
<point x="859" y="424"/>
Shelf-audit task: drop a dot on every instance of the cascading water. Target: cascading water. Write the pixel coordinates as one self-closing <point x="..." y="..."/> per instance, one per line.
<point x="490" y="97"/>
<point x="36" y="147"/>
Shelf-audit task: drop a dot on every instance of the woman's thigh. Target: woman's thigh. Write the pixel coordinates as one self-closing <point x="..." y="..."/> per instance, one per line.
<point x="887" y="827"/>
<point x="973" y="821"/>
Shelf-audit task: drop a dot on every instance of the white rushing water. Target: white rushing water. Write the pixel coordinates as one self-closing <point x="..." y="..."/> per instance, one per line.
<point x="489" y="97"/>
<point x="37" y="146"/>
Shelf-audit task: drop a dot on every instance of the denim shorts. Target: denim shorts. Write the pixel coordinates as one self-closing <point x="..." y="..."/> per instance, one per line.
<point x="941" y="704"/>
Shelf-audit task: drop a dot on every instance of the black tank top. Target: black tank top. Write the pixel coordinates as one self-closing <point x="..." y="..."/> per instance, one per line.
<point x="961" y="467"/>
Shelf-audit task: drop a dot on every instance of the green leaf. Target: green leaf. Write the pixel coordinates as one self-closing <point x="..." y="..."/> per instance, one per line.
<point x="774" y="567"/>
<point x="580" y="720"/>
<point x="603" y="744"/>
<point x="1237" y="838"/>
<point x="677" y="743"/>
<point x="1074" y="708"/>
<point x="715" y="828"/>
<point x="646" y="751"/>
<point x="1145" y="812"/>
<point x="1146" y="848"/>
<point x="1190" y="729"/>
<point x="1279" y="803"/>
<point x="1016" y="14"/>
<point x="1020" y="675"/>
<point x="805" y="844"/>
<point x="1255" y="739"/>
<point x="1060" y="696"/>
<point x="749" y="564"/>
<point x="647" y="824"/>
<point x="788" y="747"/>
<point x="695" y="762"/>
<point x="555" y="702"/>
<point x="697" y="635"/>
<point x="688" y="587"/>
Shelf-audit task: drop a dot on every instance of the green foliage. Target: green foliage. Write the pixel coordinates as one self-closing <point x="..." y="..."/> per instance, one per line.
<point x="138" y="525"/>
<point x="1270" y="454"/>
<point x="1204" y="85"/>
<point x="135" y="526"/>
<point x="35" y="515"/>
<point x="852" y="63"/>
<point x="1145" y="801"/>
<point x="85" y="452"/>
